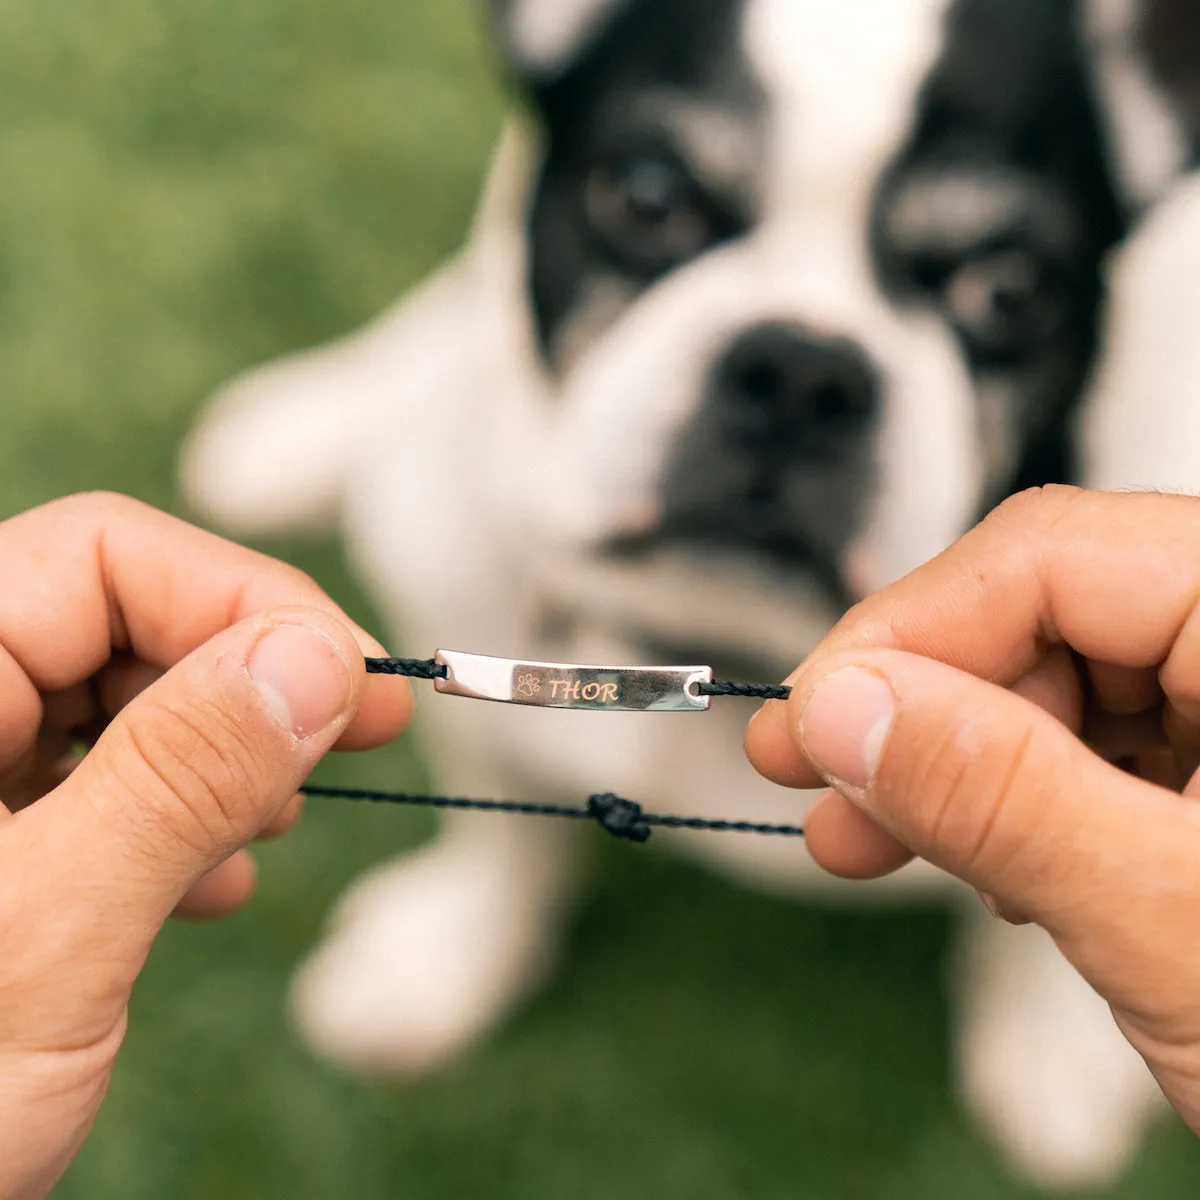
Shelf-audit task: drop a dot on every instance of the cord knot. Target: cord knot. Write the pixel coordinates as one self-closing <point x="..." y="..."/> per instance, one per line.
<point x="622" y="818"/>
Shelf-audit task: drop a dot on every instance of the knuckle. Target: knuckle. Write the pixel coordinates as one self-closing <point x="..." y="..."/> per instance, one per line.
<point x="1039" y="508"/>
<point x="196" y="770"/>
<point x="302" y="579"/>
<point x="289" y="573"/>
<point x="101" y="504"/>
<point x="280" y="585"/>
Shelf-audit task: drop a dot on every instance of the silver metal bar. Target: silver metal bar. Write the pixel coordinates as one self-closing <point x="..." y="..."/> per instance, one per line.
<point x="570" y="685"/>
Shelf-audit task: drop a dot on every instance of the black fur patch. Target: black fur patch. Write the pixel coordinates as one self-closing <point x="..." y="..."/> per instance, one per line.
<point x="1011" y="98"/>
<point x="597" y="110"/>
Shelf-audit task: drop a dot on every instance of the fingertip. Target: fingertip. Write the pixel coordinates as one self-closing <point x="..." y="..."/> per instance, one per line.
<point x="385" y="710"/>
<point x="366" y="643"/>
<point x="772" y="750"/>
<point x="1002" y="911"/>
<point x="846" y="842"/>
<point x="222" y="892"/>
<point x="123" y="680"/>
<point x="285" y="822"/>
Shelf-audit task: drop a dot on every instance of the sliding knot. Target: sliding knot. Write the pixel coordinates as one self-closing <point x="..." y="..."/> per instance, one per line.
<point x="621" y="818"/>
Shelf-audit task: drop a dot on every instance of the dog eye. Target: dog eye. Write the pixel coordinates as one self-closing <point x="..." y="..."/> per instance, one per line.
<point x="648" y="212"/>
<point x="1002" y="302"/>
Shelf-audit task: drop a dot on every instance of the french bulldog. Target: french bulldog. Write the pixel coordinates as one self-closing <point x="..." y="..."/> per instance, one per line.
<point x="767" y="301"/>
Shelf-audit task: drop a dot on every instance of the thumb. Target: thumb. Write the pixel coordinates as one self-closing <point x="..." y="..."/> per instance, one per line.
<point x="993" y="789"/>
<point x="196" y="766"/>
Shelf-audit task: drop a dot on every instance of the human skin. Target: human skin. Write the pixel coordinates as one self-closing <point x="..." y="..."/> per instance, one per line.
<point x="971" y="714"/>
<point x="1024" y="712"/>
<point x="208" y="681"/>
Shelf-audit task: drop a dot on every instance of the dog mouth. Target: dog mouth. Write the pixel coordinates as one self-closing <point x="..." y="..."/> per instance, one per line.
<point x="754" y="538"/>
<point x="744" y="613"/>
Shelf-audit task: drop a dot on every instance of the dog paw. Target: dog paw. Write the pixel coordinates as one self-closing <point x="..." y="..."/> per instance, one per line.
<point x="424" y="957"/>
<point x="1043" y="1066"/>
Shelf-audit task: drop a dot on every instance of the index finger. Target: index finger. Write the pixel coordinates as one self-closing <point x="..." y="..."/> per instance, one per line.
<point x="91" y="574"/>
<point x="1113" y="576"/>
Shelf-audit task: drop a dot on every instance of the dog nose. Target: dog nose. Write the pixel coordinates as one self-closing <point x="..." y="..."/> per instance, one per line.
<point x="782" y="386"/>
<point x="780" y="455"/>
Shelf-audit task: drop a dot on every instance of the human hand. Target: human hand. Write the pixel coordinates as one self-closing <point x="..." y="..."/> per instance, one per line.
<point x="211" y="680"/>
<point x="975" y="713"/>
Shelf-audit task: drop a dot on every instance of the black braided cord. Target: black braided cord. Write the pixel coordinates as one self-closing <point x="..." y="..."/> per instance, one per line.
<point x="748" y="691"/>
<point x="622" y="818"/>
<point x="427" y="668"/>
<point x="412" y="668"/>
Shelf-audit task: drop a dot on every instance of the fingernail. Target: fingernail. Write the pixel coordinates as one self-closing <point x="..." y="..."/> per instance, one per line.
<point x="1013" y="916"/>
<point x="303" y="679"/>
<point x="845" y="724"/>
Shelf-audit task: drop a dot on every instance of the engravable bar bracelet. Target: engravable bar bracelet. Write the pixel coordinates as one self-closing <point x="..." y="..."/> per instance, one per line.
<point x="580" y="688"/>
<point x="559" y="685"/>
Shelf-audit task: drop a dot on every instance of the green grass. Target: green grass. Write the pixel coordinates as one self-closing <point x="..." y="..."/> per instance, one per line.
<point x="191" y="186"/>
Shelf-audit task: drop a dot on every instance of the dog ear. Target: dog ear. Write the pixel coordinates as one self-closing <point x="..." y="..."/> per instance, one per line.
<point x="541" y="39"/>
<point x="1170" y="35"/>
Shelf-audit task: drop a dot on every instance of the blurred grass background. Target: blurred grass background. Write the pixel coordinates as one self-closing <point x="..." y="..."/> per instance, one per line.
<point x="188" y="187"/>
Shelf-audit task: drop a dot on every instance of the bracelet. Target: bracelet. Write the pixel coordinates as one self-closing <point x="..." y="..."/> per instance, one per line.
<point x="578" y="687"/>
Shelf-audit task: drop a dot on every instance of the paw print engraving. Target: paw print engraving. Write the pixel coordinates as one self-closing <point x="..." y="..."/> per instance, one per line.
<point x="529" y="687"/>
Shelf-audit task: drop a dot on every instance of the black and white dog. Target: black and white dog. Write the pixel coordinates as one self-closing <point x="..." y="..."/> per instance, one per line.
<point x="774" y="299"/>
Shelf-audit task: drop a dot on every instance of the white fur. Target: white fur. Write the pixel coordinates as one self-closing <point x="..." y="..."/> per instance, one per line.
<point x="275" y="454"/>
<point x="448" y="919"/>
<point x="833" y="138"/>
<point x="1042" y="1064"/>
<point x="544" y="36"/>
<point x="1146" y="136"/>
<point x="1143" y="420"/>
